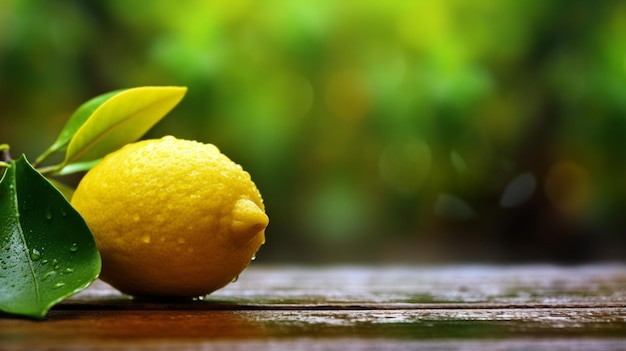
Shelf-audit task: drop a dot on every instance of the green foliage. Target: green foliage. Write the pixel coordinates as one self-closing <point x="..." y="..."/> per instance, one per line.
<point x="47" y="252"/>
<point x="308" y="93"/>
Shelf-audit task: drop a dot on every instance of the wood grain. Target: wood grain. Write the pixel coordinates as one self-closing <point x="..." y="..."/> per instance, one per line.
<point x="352" y="308"/>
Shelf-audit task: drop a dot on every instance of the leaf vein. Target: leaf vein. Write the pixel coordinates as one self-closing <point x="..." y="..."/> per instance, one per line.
<point x="23" y="239"/>
<point x="111" y="129"/>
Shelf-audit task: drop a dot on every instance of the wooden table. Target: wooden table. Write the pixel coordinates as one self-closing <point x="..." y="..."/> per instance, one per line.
<point x="352" y="308"/>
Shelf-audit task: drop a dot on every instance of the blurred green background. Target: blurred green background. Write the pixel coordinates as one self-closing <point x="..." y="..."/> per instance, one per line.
<point x="377" y="131"/>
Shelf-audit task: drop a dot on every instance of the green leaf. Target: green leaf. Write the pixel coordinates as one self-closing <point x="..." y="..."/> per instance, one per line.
<point x="74" y="123"/>
<point x="47" y="252"/>
<point x="120" y="120"/>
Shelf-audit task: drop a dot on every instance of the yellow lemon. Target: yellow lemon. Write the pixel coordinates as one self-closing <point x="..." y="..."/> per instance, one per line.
<point x="171" y="217"/>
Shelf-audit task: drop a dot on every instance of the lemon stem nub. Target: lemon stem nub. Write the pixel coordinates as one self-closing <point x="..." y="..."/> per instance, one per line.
<point x="248" y="220"/>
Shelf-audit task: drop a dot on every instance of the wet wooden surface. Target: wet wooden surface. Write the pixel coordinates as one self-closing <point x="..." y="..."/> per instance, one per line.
<point x="352" y="308"/>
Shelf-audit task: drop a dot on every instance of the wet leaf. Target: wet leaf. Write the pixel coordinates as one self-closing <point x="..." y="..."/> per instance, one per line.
<point x="47" y="252"/>
<point x="120" y="120"/>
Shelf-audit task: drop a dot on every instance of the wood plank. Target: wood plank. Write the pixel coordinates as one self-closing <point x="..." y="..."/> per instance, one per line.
<point x="352" y="307"/>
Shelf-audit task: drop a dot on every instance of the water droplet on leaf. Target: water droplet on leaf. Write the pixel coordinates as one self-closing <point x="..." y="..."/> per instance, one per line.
<point x="58" y="285"/>
<point x="48" y="213"/>
<point x="35" y="254"/>
<point x="48" y="275"/>
<point x="74" y="247"/>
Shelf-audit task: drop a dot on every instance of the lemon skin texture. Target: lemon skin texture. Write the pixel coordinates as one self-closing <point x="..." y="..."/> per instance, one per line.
<point x="171" y="217"/>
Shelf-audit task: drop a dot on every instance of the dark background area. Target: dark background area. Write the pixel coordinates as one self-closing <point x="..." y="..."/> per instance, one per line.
<point x="377" y="131"/>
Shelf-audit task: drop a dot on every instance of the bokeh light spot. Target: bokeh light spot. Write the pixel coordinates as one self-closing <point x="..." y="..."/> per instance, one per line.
<point x="405" y="165"/>
<point x="568" y="187"/>
<point x="347" y="95"/>
<point x="519" y="190"/>
<point x="453" y="208"/>
<point x="458" y="162"/>
<point x="336" y="212"/>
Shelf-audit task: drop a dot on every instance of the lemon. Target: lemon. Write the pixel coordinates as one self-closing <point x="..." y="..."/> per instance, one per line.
<point x="171" y="217"/>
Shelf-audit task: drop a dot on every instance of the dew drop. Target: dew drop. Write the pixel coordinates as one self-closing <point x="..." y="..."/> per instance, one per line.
<point x="253" y="258"/>
<point x="35" y="254"/>
<point x="69" y="270"/>
<point x="48" y="275"/>
<point x="44" y="261"/>
<point x="58" y="285"/>
<point x="74" y="247"/>
<point x="48" y="213"/>
<point x="63" y="212"/>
